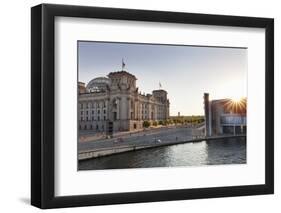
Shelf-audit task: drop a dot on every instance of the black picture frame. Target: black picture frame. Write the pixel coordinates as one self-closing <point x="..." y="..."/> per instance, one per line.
<point x="43" y="105"/>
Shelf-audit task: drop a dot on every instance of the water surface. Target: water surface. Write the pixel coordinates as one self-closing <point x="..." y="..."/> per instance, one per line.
<point x="216" y="152"/>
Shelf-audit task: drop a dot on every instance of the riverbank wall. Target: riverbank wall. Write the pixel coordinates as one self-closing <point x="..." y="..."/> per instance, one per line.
<point x="95" y="153"/>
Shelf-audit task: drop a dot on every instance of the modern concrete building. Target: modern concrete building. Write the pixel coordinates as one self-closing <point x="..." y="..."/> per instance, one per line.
<point x="225" y="116"/>
<point x="114" y="103"/>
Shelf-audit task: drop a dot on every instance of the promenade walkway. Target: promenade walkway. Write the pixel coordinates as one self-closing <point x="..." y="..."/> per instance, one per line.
<point x="140" y="140"/>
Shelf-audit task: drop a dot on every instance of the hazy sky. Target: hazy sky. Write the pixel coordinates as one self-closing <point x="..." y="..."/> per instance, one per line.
<point x="185" y="72"/>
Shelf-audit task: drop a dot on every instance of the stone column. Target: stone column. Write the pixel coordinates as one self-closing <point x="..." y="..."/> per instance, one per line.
<point x="129" y="108"/>
<point x="118" y="108"/>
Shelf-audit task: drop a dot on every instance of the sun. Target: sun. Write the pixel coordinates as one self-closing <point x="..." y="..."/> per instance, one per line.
<point x="236" y="104"/>
<point x="236" y="98"/>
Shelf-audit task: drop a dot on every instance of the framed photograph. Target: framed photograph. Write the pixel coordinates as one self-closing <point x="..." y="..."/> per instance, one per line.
<point x="139" y="106"/>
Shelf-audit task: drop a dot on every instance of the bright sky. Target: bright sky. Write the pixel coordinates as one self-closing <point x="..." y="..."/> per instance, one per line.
<point x="185" y="72"/>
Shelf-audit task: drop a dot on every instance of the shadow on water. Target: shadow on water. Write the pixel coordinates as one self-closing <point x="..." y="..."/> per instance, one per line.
<point x="227" y="151"/>
<point x="214" y="152"/>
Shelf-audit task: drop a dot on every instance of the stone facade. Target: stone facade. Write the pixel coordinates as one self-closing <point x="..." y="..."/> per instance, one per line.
<point x="116" y="99"/>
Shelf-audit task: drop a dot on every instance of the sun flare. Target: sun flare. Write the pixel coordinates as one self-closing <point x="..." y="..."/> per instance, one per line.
<point x="236" y="98"/>
<point x="236" y="104"/>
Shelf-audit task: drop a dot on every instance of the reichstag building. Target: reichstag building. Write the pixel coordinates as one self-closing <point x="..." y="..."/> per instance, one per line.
<point x="115" y="102"/>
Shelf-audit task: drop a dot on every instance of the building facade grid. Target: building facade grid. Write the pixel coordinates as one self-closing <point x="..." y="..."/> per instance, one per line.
<point x="116" y="99"/>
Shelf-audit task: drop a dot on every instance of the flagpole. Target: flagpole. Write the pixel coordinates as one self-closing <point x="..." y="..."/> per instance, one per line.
<point x="123" y="64"/>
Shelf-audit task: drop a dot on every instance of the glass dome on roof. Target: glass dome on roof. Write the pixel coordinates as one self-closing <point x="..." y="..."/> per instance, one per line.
<point x="98" y="84"/>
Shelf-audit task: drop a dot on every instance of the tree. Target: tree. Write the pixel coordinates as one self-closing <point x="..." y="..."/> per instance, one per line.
<point x="146" y="124"/>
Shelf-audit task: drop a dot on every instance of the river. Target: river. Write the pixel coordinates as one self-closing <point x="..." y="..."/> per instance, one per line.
<point x="215" y="152"/>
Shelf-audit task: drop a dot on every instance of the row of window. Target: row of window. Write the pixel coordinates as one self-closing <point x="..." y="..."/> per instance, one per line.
<point x="92" y="127"/>
<point x="104" y="118"/>
<point x="104" y="112"/>
<point x="92" y="118"/>
<point x="93" y="112"/>
<point x="159" y="108"/>
<point x="103" y="105"/>
<point x="92" y="105"/>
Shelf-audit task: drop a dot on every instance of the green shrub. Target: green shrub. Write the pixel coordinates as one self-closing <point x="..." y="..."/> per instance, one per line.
<point x="146" y="124"/>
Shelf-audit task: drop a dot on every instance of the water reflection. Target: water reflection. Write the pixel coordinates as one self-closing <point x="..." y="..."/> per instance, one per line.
<point x="226" y="151"/>
<point x="230" y="151"/>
